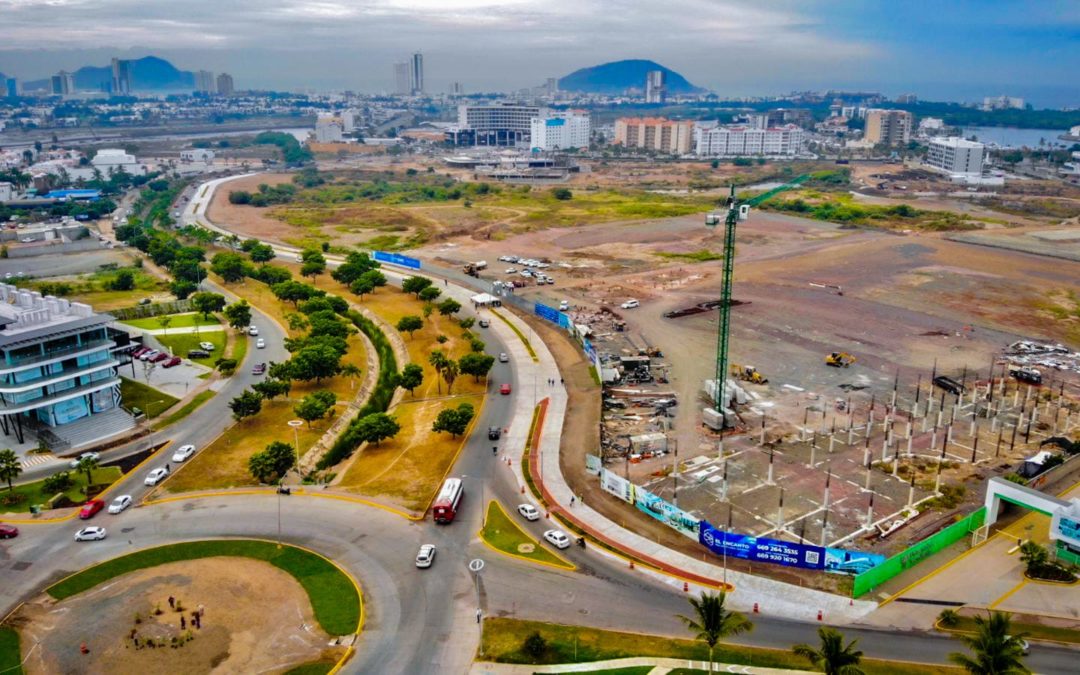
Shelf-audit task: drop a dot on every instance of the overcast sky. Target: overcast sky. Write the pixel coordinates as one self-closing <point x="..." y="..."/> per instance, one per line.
<point x="956" y="49"/>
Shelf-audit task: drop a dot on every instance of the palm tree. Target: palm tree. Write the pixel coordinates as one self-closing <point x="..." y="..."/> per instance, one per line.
<point x="450" y="372"/>
<point x="10" y="466"/>
<point x="712" y="621"/>
<point x="352" y="372"/>
<point x="995" y="651"/>
<point x="1033" y="555"/>
<point x="833" y="658"/>
<point x="438" y="361"/>
<point x="88" y="463"/>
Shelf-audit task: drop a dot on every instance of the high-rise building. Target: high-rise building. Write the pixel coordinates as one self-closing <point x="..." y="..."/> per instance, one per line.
<point x="560" y="131"/>
<point x="956" y="156"/>
<point x="416" y="74"/>
<point x="552" y="86"/>
<point x="402" y="79"/>
<point x="655" y="133"/>
<point x="12" y="87"/>
<point x="741" y="141"/>
<point x="63" y="83"/>
<point x="502" y="124"/>
<point x="204" y="82"/>
<point x="655" y="86"/>
<point x="888" y="127"/>
<point x="121" y="77"/>
<point x="225" y="85"/>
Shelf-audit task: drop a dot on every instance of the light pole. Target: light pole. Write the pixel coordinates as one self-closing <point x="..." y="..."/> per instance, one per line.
<point x="296" y="424"/>
<point x="475" y="566"/>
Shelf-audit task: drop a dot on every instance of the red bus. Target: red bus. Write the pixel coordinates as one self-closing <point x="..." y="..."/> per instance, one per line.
<point x="446" y="503"/>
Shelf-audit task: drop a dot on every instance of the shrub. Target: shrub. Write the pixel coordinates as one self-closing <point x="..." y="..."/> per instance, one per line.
<point x="535" y="645"/>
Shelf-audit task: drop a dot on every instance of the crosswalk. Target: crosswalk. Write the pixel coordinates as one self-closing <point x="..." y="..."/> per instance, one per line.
<point x="38" y="459"/>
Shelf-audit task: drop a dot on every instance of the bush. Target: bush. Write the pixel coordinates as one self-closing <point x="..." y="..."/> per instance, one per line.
<point x="61" y="482"/>
<point x="535" y="645"/>
<point x="948" y="618"/>
<point x="562" y="194"/>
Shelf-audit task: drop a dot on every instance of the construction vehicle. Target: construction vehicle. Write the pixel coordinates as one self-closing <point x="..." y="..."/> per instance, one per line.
<point x="839" y="360"/>
<point x="470" y="269"/>
<point x="748" y="374"/>
<point x="1025" y="374"/>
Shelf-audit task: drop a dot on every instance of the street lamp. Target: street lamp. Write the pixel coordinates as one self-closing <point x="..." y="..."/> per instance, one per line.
<point x="475" y="566"/>
<point x="296" y="424"/>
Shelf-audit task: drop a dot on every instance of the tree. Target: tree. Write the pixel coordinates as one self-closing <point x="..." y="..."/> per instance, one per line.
<point x="262" y="253"/>
<point x="312" y="269"/>
<point x="454" y="420"/>
<point x="562" y="194"/>
<point x="995" y="649"/>
<point x="429" y="294"/>
<point x="87" y="464"/>
<point x="296" y="322"/>
<point x="274" y="461"/>
<point x="123" y="281"/>
<point x="376" y="278"/>
<point x="1033" y="555"/>
<point x="712" y="621"/>
<point x="315" y="406"/>
<point x="376" y="427"/>
<point x="182" y="288"/>
<point x="207" y="303"/>
<point x="261" y="466"/>
<point x="238" y="314"/>
<point x="164" y="322"/>
<point x="449" y="307"/>
<point x="535" y="645"/>
<point x="438" y="361"/>
<point x="231" y="267"/>
<point x="271" y="388"/>
<point x="352" y="372"/>
<point x="293" y="291"/>
<point x="362" y="287"/>
<point x="467" y="323"/>
<point x="10" y="466"/>
<point x="832" y="658"/>
<point x="411" y="377"/>
<point x="450" y="373"/>
<point x="410" y="323"/>
<point x="356" y="264"/>
<point x="415" y="284"/>
<point x="315" y="362"/>
<point x="477" y="365"/>
<point x="246" y="404"/>
<point x="59" y="482"/>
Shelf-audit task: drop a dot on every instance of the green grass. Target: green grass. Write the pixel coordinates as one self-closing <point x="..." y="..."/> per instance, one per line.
<point x="314" y="668"/>
<point x="182" y="343"/>
<point x="178" y="321"/>
<point x="630" y="670"/>
<point x="513" y="327"/>
<point x="703" y="255"/>
<point x="10" y="657"/>
<point x="35" y="493"/>
<point x="333" y="597"/>
<point x="188" y="408"/>
<point x="1034" y="631"/>
<point x="240" y="343"/>
<point x="503" y="534"/>
<point x="151" y="401"/>
<point x="503" y="640"/>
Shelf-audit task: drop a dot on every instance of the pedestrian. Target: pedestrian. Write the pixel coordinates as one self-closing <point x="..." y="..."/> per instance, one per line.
<point x="183" y="623"/>
<point x="562" y="381"/>
<point x="167" y="467"/>
<point x="572" y="499"/>
<point x="172" y="602"/>
<point x="202" y="610"/>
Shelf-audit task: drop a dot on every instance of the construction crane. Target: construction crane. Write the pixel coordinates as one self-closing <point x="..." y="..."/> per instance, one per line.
<point x="736" y="211"/>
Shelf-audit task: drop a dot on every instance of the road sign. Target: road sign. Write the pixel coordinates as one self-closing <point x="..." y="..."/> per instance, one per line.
<point x="475" y="565"/>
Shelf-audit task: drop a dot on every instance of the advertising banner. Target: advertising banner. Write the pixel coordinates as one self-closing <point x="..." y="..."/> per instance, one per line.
<point x="395" y="259"/>
<point x="617" y="485"/>
<point x="668" y="514"/>
<point x="553" y="315"/>
<point x="807" y="556"/>
<point x="593" y="465"/>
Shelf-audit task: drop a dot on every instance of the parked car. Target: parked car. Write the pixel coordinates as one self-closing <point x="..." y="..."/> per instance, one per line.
<point x="260" y="344"/>
<point x="139" y="352"/>
<point x="564" y="305"/>
<point x="511" y="270"/>
<point x="504" y="388"/>
<point x="528" y="512"/>
<point x="258" y="369"/>
<point x="630" y="304"/>
<point x="557" y="538"/>
<point x="119" y="504"/>
<point x="74" y="464"/>
<point x="171" y="362"/>
<point x="92" y="533"/>
<point x="503" y="358"/>
<point x="206" y="346"/>
<point x="159" y="357"/>
<point x="253" y="330"/>
<point x="156" y="476"/>
<point x="198" y="354"/>
<point x="494" y="433"/>
<point x="425" y="556"/>
<point x="183" y="452"/>
<point x="146" y="356"/>
<point x="90" y="509"/>
<point x="8" y="531"/>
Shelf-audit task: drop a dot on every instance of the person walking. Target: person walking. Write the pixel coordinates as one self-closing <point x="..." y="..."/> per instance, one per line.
<point x="172" y="602"/>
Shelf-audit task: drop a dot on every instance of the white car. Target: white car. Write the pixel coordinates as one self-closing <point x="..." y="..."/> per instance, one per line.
<point x="183" y="452"/>
<point x="260" y="344"/>
<point x="425" y="556"/>
<point x="253" y="330"/>
<point x="206" y="346"/>
<point x="92" y="533"/>
<point x="564" y="305"/>
<point x="503" y="358"/>
<point x="557" y="538"/>
<point x="74" y="464"/>
<point x="529" y="512"/>
<point x="630" y="304"/>
<point x="119" y="504"/>
<point x="146" y="356"/>
<point x="156" y="476"/>
<point x="511" y="270"/>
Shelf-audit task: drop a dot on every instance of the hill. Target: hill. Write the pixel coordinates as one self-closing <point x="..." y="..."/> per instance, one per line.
<point x="147" y="74"/>
<point x="618" y="76"/>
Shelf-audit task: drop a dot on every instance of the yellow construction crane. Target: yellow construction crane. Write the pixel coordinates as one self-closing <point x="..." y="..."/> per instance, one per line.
<point x="839" y="359"/>
<point x="748" y="374"/>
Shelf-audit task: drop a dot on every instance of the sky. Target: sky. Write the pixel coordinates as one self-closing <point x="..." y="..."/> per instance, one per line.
<point x="941" y="50"/>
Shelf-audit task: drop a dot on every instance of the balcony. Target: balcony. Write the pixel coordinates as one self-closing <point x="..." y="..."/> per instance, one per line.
<point x="57" y="355"/>
<point x="14" y="408"/>
<point x="52" y="378"/>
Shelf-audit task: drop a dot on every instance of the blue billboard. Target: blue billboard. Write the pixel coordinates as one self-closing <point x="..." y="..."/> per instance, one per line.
<point x="395" y="259"/>
<point x="807" y="556"/>
<point x="551" y="314"/>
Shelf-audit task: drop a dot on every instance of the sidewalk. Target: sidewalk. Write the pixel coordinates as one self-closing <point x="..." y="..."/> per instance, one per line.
<point x="661" y="666"/>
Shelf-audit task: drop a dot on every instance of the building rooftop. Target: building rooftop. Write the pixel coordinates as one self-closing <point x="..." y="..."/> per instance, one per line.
<point x="27" y="315"/>
<point x="956" y="142"/>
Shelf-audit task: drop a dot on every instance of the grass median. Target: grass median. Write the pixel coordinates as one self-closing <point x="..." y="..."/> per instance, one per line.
<point x="151" y="401"/>
<point x="10" y="656"/>
<point x="334" y="597"/>
<point x="188" y="408"/>
<point x="503" y="534"/>
<point x="1034" y="631"/>
<point x="186" y="320"/>
<point x="513" y="327"/>
<point x="29" y="494"/>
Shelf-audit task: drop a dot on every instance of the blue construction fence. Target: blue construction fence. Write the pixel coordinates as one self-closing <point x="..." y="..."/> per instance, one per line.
<point x="395" y="259"/>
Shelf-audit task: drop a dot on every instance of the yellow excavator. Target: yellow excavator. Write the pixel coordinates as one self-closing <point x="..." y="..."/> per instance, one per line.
<point x="748" y="374"/>
<point x="839" y="360"/>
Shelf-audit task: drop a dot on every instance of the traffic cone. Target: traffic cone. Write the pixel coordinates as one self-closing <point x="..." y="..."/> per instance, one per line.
<point x="685" y="587"/>
<point x="84" y="649"/>
<point x="631" y="564"/>
<point x="819" y="615"/>
<point x="522" y="489"/>
<point x="755" y="608"/>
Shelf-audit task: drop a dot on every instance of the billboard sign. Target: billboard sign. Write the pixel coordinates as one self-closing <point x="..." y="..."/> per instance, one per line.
<point x="617" y="485"/>
<point x="668" y="514"/>
<point x="593" y="465"/>
<point x="395" y="259"/>
<point x="553" y="315"/>
<point x="777" y="552"/>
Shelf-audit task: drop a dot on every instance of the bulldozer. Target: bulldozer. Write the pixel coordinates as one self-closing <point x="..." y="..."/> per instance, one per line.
<point x="839" y="360"/>
<point x="748" y="374"/>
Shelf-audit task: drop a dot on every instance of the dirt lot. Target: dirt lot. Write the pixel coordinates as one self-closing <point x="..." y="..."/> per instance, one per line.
<point x="257" y="619"/>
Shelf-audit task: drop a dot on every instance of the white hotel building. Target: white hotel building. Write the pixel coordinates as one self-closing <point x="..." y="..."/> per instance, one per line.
<point x="560" y="131"/>
<point x="742" y="141"/>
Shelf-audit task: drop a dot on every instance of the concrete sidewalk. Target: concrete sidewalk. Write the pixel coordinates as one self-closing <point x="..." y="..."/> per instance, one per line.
<point x="661" y="666"/>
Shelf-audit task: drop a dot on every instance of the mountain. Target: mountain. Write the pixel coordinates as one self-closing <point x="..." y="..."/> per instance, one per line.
<point x="618" y="76"/>
<point x="147" y="74"/>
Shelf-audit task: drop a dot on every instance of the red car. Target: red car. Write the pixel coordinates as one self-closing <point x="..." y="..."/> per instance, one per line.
<point x="504" y="389"/>
<point x="90" y="508"/>
<point x="139" y="352"/>
<point x="8" y="531"/>
<point x="174" y="361"/>
<point x="160" y="357"/>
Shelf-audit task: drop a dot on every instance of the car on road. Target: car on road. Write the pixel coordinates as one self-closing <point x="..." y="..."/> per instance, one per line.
<point x="557" y="538"/>
<point x="119" y="504"/>
<point x="183" y="452"/>
<point x="206" y="346"/>
<point x="494" y="433"/>
<point x="258" y="369"/>
<point x="425" y="556"/>
<point x="91" y="533"/>
<point x="74" y="464"/>
<point x="253" y="330"/>
<point x="260" y="344"/>
<point x="8" y="531"/>
<point x="198" y="354"/>
<point x="156" y="476"/>
<point x="630" y="304"/>
<point x="528" y="512"/>
<point x="484" y="323"/>
<point x="90" y="509"/>
<point x="503" y="358"/>
<point x="504" y="388"/>
<point x="172" y="362"/>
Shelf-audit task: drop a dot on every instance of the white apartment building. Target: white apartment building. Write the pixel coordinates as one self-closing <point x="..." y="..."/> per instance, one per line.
<point x="560" y="131"/>
<point x="501" y="124"/>
<point x="329" y="129"/>
<point x="115" y="159"/>
<point x="742" y="141"/>
<point x="956" y="156"/>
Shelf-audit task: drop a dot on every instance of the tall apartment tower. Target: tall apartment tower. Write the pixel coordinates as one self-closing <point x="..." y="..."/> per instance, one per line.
<point x="402" y="80"/>
<point x="888" y="127"/>
<point x="63" y="83"/>
<point x="11" y="87"/>
<point x="655" y="86"/>
<point x="416" y="74"/>
<point x="552" y="86"/>
<point x="225" y="85"/>
<point x="204" y="82"/>
<point x="121" y="77"/>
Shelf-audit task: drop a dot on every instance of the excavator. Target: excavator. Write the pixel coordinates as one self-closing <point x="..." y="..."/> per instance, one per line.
<point x="748" y="374"/>
<point x="839" y="360"/>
